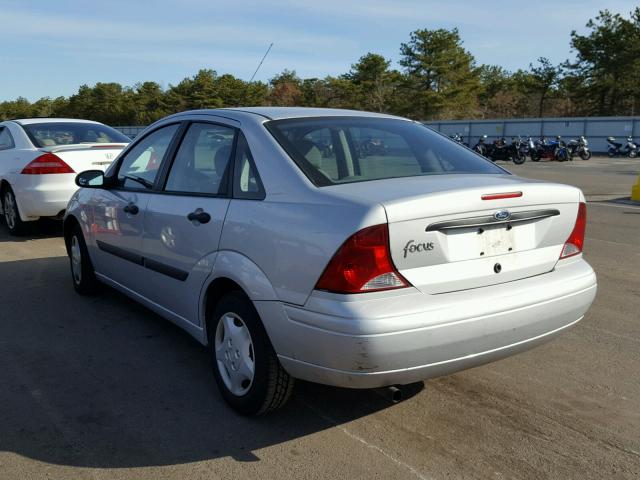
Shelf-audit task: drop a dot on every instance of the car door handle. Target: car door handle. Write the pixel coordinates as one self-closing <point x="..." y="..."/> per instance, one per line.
<point x="199" y="216"/>
<point x="132" y="209"/>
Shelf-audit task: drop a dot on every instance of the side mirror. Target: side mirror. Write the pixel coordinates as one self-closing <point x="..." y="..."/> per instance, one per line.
<point x="90" y="179"/>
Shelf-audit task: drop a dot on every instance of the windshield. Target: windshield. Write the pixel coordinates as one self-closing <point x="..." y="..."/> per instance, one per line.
<point x="335" y="150"/>
<point x="51" y="134"/>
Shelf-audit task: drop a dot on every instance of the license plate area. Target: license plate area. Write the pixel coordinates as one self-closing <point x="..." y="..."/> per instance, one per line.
<point x="495" y="240"/>
<point x="482" y="242"/>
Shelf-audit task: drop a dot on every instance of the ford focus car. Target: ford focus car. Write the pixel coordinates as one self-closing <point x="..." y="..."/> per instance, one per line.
<point x="39" y="160"/>
<point x="346" y="248"/>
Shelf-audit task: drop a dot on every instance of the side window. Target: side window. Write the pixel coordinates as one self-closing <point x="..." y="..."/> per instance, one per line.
<point x="202" y="161"/>
<point x="246" y="181"/>
<point x="6" y="141"/>
<point x="139" y="168"/>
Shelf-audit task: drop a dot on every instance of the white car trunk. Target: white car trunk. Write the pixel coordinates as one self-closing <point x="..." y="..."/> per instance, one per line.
<point x="95" y="156"/>
<point x="445" y="237"/>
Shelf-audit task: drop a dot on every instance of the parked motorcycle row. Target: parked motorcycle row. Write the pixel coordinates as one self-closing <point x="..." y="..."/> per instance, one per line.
<point x="558" y="149"/>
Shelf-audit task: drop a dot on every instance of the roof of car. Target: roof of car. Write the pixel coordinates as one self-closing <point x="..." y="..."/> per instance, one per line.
<point x="278" y="113"/>
<point x="29" y="121"/>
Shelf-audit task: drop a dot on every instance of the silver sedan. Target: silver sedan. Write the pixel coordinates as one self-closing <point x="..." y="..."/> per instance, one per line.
<point x="346" y="248"/>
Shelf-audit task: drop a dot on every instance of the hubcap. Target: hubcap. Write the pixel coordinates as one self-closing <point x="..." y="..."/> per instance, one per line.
<point x="76" y="260"/>
<point x="234" y="354"/>
<point x="10" y="212"/>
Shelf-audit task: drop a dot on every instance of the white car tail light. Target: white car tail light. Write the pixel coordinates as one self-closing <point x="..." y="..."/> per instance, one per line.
<point x="47" y="163"/>
<point x="362" y="264"/>
<point x="575" y="242"/>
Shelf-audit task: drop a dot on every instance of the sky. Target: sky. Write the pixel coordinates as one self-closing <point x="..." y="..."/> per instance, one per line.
<point x="50" y="48"/>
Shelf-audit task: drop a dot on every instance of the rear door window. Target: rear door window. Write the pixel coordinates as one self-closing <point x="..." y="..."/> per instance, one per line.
<point x="246" y="181"/>
<point x="201" y="165"/>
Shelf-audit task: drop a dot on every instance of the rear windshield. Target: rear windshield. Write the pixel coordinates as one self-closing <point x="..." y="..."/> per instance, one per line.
<point x="51" y="134"/>
<point x="334" y="150"/>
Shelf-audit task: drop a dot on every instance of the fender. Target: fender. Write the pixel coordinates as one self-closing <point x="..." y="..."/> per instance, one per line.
<point x="243" y="271"/>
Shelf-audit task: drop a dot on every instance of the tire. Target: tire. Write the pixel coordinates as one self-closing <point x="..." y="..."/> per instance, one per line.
<point x="519" y="159"/>
<point x="82" y="274"/>
<point x="535" y="157"/>
<point x="12" y="219"/>
<point x="633" y="154"/>
<point x="585" y="155"/>
<point x="244" y="363"/>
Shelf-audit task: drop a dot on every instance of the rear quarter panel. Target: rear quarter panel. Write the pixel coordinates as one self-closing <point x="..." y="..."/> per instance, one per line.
<point x="292" y="241"/>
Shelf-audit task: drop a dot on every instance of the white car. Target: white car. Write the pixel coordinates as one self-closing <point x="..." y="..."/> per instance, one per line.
<point x="39" y="160"/>
<point x="346" y="248"/>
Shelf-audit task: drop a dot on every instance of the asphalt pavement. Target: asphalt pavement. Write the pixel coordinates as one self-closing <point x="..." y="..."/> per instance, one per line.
<point x="101" y="388"/>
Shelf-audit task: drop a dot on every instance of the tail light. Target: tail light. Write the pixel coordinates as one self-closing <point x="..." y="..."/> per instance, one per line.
<point x="362" y="264"/>
<point x="45" y="164"/>
<point x="575" y="242"/>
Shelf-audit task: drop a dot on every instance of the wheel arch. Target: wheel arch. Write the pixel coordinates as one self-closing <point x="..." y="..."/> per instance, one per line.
<point x="4" y="186"/>
<point x="233" y="272"/>
<point x="67" y="226"/>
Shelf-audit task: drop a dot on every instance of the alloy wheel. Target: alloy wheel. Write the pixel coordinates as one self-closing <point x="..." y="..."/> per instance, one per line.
<point x="10" y="211"/>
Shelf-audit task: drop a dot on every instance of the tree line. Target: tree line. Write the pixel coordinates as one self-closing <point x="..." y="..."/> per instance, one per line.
<point x="437" y="78"/>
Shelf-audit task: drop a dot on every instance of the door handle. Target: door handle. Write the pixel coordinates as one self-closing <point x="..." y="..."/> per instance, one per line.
<point x="132" y="208"/>
<point x="199" y="216"/>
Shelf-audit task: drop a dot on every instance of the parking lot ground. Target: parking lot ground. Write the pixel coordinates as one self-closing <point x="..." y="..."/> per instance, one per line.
<point x="100" y="388"/>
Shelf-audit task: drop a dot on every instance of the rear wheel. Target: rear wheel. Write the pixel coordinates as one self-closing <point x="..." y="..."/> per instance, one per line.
<point x="82" y="273"/>
<point x="245" y="366"/>
<point x="12" y="219"/>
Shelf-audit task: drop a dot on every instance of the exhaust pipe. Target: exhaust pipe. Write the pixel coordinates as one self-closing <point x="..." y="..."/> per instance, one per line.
<point x="395" y="394"/>
<point x="392" y="393"/>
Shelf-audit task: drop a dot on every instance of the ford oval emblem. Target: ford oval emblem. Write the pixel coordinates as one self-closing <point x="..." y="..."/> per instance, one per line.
<point x="502" y="215"/>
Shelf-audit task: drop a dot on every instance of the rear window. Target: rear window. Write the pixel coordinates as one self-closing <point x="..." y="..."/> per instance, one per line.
<point x="51" y="134"/>
<point x="335" y="150"/>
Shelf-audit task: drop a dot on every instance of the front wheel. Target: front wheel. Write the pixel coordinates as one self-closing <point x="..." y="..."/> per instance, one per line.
<point x="12" y="219"/>
<point x="519" y="159"/>
<point x="585" y="154"/>
<point x="633" y="154"/>
<point x="245" y="365"/>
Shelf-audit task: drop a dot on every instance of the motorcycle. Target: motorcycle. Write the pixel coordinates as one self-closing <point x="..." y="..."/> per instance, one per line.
<point x="481" y="146"/>
<point x="501" y="150"/>
<point x="551" y="150"/>
<point x="373" y="146"/>
<point x="561" y="151"/>
<point x="456" y="137"/>
<point x="580" y="148"/>
<point x="615" y="149"/>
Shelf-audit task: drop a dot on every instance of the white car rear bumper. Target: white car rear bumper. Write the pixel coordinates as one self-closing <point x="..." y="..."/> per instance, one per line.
<point x="359" y="342"/>
<point x="43" y="195"/>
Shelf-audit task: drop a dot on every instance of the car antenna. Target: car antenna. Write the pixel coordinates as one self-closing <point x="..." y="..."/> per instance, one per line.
<point x="260" y="64"/>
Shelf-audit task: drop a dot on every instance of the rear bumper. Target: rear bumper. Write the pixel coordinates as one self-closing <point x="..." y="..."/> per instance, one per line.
<point x="43" y="195"/>
<point x="366" y="343"/>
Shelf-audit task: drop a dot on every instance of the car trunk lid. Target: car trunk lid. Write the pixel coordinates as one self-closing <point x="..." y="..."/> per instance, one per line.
<point x="455" y="232"/>
<point x="81" y="157"/>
